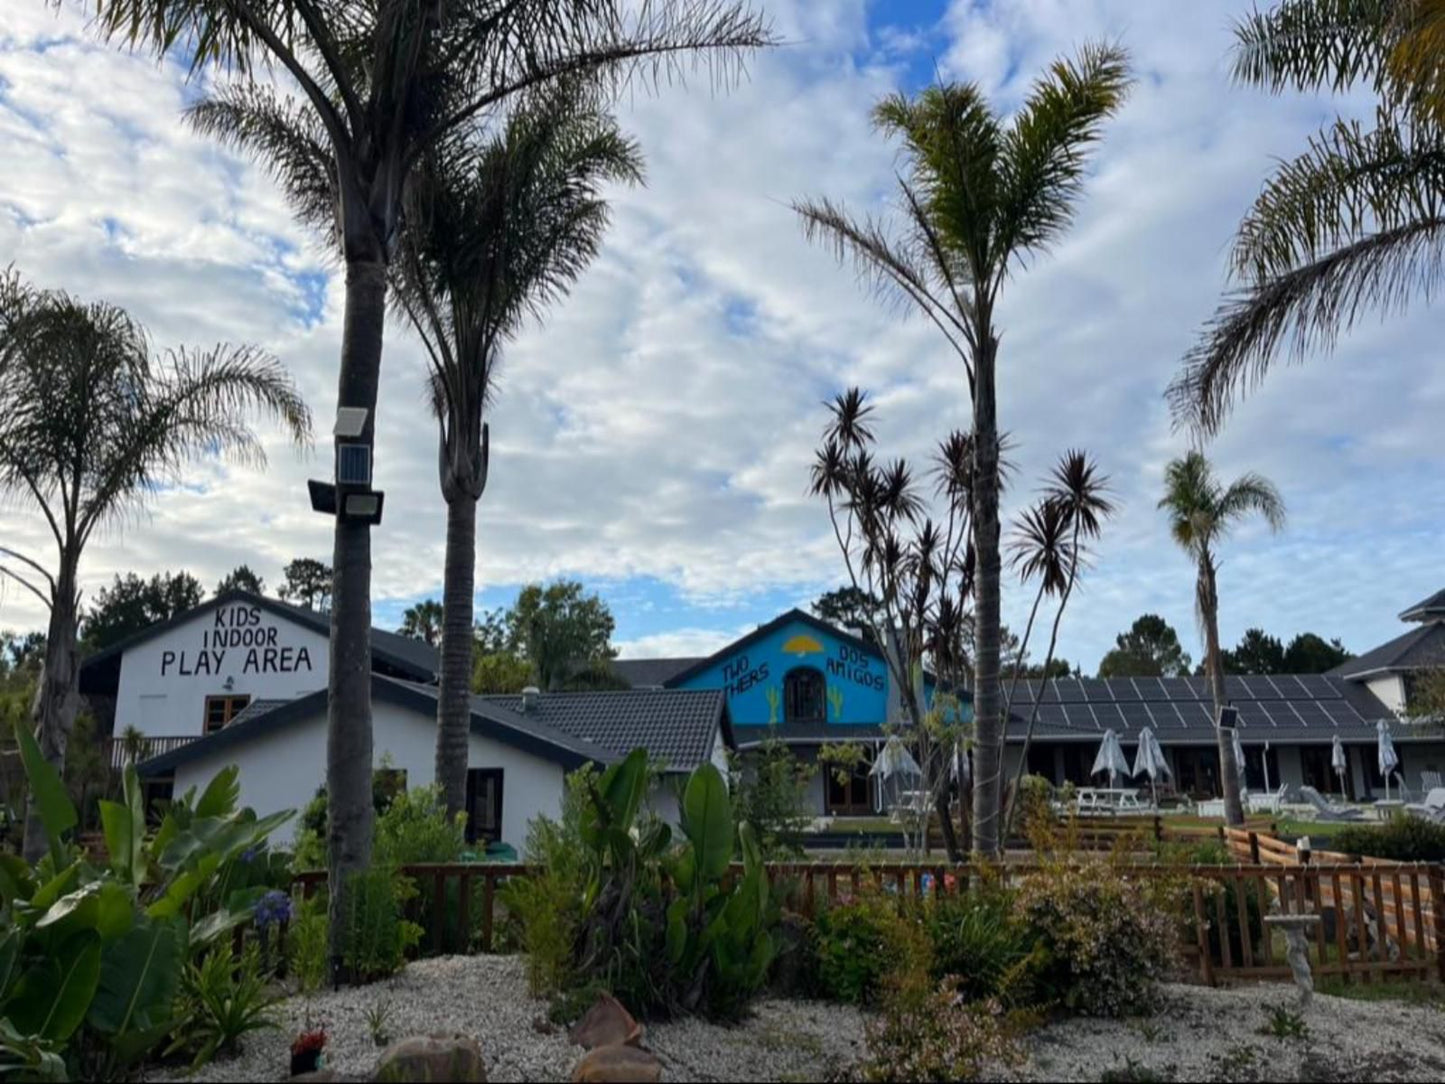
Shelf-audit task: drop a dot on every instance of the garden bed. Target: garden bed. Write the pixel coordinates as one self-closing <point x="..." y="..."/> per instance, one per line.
<point x="486" y="998"/>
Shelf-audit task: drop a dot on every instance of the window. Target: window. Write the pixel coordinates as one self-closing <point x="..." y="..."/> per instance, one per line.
<point x="484" y="805"/>
<point x="805" y="697"/>
<point x="220" y="710"/>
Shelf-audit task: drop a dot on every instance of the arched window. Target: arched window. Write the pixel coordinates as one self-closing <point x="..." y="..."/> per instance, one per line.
<point x="805" y="697"/>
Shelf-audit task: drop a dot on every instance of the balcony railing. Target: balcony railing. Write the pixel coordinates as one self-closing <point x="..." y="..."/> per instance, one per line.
<point x="118" y="751"/>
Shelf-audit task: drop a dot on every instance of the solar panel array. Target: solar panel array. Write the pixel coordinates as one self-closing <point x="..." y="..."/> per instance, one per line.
<point x="1297" y="707"/>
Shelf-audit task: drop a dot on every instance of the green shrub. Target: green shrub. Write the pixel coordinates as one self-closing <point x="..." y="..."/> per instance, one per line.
<point x="377" y="936"/>
<point x="1211" y="852"/>
<point x="924" y="1033"/>
<point x="769" y="790"/>
<point x="1402" y="838"/>
<point x="222" y="999"/>
<point x="307" y="945"/>
<point x="1106" y="941"/>
<point x="795" y="971"/>
<point x="977" y="936"/>
<point x="415" y="828"/>
<point x="861" y="942"/>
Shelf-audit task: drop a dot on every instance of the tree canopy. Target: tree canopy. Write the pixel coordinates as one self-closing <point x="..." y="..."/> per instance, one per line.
<point x="307" y="582"/>
<point x="130" y="605"/>
<point x="241" y="578"/>
<point x="1150" y="648"/>
<point x="423" y="621"/>
<point x="1259" y="653"/>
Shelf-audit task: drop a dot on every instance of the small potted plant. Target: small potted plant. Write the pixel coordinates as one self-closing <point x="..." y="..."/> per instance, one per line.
<point x="306" y="1051"/>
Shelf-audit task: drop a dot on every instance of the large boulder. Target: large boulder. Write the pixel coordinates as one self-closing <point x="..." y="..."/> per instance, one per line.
<point x="607" y="1023"/>
<point x="617" y="1064"/>
<point x="431" y="1058"/>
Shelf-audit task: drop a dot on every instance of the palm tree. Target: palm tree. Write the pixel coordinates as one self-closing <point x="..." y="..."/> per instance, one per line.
<point x="1354" y="224"/>
<point x="423" y="622"/>
<point x="91" y="423"/>
<point x="378" y="85"/>
<point x="981" y="197"/>
<point x="1050" y="544"/>
<point x="1202" y="512"/>
<point x="497" y="231"/>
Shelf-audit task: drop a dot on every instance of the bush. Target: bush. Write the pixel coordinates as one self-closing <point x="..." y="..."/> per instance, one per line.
<point x="307" y="945"/>
<point x="769" y="790"/>
<point x="221" y="1000"/>
<point x="1402" y="838"/>
<point x="1211" y="852"/>
<point x="548" y="906"/>
<point x="1106" y="941"/>
<point x="377" y="936"/>
<point x="795" y="971"/>
<point x="977" y="937"/>
<point x="861" y="942"/>
<point x="415" y="828"/>
<point x="926" y="1032"/>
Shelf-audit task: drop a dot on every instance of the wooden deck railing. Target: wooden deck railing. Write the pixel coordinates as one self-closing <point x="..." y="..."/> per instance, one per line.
<point x="1384" y="923"/>
<point x="116" y="753"/>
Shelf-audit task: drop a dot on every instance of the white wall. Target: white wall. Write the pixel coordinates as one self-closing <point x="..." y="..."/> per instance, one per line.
<point x="282" y="769"/>
<point x="1390" y="690"/>
<point x="164" y="682"/>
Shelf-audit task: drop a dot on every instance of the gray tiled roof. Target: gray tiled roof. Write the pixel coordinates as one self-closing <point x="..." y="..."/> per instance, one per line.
<point x="650" y="673"/>
<point x="1424" y="610"/>
<point x="675" y="726"/>
<point x="1279" y="708"/>
<point x="1420" y="647"/>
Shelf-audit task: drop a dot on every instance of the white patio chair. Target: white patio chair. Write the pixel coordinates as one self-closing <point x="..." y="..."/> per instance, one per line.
<point x="1430" y="781"/>
<point x="1266" y="802"/>
<point x="1432" y="808"/>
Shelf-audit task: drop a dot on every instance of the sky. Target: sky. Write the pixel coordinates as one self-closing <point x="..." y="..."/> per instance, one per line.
<point x="653" y="437"/>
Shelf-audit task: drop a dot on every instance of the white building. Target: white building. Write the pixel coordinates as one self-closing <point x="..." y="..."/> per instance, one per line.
<point x="242" y="680"/>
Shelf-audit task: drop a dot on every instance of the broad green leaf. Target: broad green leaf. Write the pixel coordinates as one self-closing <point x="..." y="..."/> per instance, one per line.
<point x="76" y="910"/>
<point x="178" y="893"/>
<point x="626" y="788"/>
<point x="16" y="882"/>
<point x="46" y="790"/>
<point x="139" y="976"/>
<point x="115" y="911"/>
<point x="222" y="794"/>
<point x="708" y="821"/>
<point x="215" y="925"/>
<point x="118" y="825"/>
<point x="46" y="895"/>
<point x="676" y="930"/>
<point x="52" y="997"/>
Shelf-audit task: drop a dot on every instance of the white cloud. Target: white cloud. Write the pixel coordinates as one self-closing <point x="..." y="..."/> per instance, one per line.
<point x="661" y="424"/>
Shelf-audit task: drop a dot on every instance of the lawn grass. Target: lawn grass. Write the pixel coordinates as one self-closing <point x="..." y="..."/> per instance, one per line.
<point x="1411" y="993"/>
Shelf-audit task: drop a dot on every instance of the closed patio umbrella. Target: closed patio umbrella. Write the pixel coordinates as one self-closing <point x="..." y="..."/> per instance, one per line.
<point x="1239" y="757"/>
<point x="1340" y="762"/>
<point x="1389" y="760"/>
<point x="1110" y="758"/>
<point x="1150" y="758"/>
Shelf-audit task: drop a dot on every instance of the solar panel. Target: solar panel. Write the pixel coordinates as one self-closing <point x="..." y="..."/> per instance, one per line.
<point x="1150" y="688"/>
<point x="1257" y="687"/>
<point x="1253" y="714"/>
<point x="1235" y="689"/>
<point x="1342" y="713"/>
<point x="1311" y="713"/>
<point x="1068" y="691"/>
<point x="1135" y="715"/>
<point x="1176" y="688"/>
<point x="1096" y="691"/>
<point x="1109" y="715"/>
<point x="1199" y="686"/>
<point x="1124" y="690"/>
<point x="1319" y="687"/>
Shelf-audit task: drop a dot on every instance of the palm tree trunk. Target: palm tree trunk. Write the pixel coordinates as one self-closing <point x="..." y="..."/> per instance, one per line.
<point x="988" y="726"/>
<point x="454" y="711"/>
<point x="58" y="696"/>
<point x="348" y="735"/>
<point x="1214" y="665"/>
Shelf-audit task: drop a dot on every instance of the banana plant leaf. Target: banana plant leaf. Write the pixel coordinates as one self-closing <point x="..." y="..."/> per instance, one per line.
<point x="708" y="822"/>
<point x="139" y="977"/>
<point x="54" y="994"/>
<point x="47" y="791"/>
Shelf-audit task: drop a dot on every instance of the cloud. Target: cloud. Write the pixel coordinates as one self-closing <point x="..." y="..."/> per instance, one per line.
<point x="659" y="427"/>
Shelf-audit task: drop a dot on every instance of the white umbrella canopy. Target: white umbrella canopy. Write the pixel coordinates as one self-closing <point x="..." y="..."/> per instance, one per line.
<point x="1150" y="759"/>
<point x="894" y="760"/>
<point x="1389" y="760"/>
<point x="1110" y="758"/>
<point x="1339" y="761"/>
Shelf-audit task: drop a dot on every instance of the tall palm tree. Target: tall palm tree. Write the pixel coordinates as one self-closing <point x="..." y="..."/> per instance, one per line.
<point x="1356" y="223"/>
<point x="1202" y="511"/>
<point x="982" y="195"/>
<point x="92" y="421"/>
<point x="497" y="231"/>
<point x="378" y="83"/>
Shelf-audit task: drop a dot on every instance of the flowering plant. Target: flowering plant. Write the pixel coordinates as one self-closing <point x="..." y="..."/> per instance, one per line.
<point x="308" y="1041"/>
<point x="273" y="908"/>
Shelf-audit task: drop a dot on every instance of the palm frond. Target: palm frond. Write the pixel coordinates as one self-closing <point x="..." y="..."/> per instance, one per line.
<point x="1082" y="491"/>
<point x="1252" y="493"/>
<point x="1045" y="151"/>
<point x="1041" y="546"/>
<point x="1314" y="44"/>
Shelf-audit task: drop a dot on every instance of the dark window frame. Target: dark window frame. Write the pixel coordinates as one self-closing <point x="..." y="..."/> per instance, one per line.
<point x="805" y="695"/>
<point x="231" y="705"/>
<point x="475" y="776"/>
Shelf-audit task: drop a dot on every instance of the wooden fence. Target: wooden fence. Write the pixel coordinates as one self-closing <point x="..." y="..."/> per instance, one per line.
<point x="457" y="906"/>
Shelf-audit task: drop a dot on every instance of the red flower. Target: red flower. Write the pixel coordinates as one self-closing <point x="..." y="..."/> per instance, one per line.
<point x="309" y="1041"/>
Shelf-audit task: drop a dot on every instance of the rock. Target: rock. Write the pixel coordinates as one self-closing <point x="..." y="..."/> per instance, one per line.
<point x="617" y="1064"/>
<point x="607" y="1023"/>
<point x="326" y="1076"/>
<point x="430" y="1058"/>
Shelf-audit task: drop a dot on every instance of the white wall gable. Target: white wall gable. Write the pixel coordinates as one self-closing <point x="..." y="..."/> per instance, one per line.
<point x="165" y="680"/>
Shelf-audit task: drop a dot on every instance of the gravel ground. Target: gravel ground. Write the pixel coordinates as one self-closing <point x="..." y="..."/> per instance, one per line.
<point x="1197" y="1034"/>
<point x="1214" y="1035"/>
<point x="486" y="997"/>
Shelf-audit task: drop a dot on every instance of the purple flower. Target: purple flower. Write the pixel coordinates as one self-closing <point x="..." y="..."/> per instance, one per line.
<point x="248" y="855"/>
<point x="273" y="908"/>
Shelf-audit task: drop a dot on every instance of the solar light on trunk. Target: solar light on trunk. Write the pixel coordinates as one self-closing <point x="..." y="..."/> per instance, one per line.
<point x="350" y="495"/>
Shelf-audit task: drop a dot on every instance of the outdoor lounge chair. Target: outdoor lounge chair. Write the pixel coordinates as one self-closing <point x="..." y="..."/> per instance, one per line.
<point x="1432" y="808"/>
<point x="1430" y="781"/>
<point x="1328" y="811"/>
<point x="1266" y="802"/>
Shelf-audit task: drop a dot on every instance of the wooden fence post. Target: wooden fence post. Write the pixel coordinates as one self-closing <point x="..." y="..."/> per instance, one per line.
<point x="1437" y="910"/>
<point x="1254" y="848"/>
